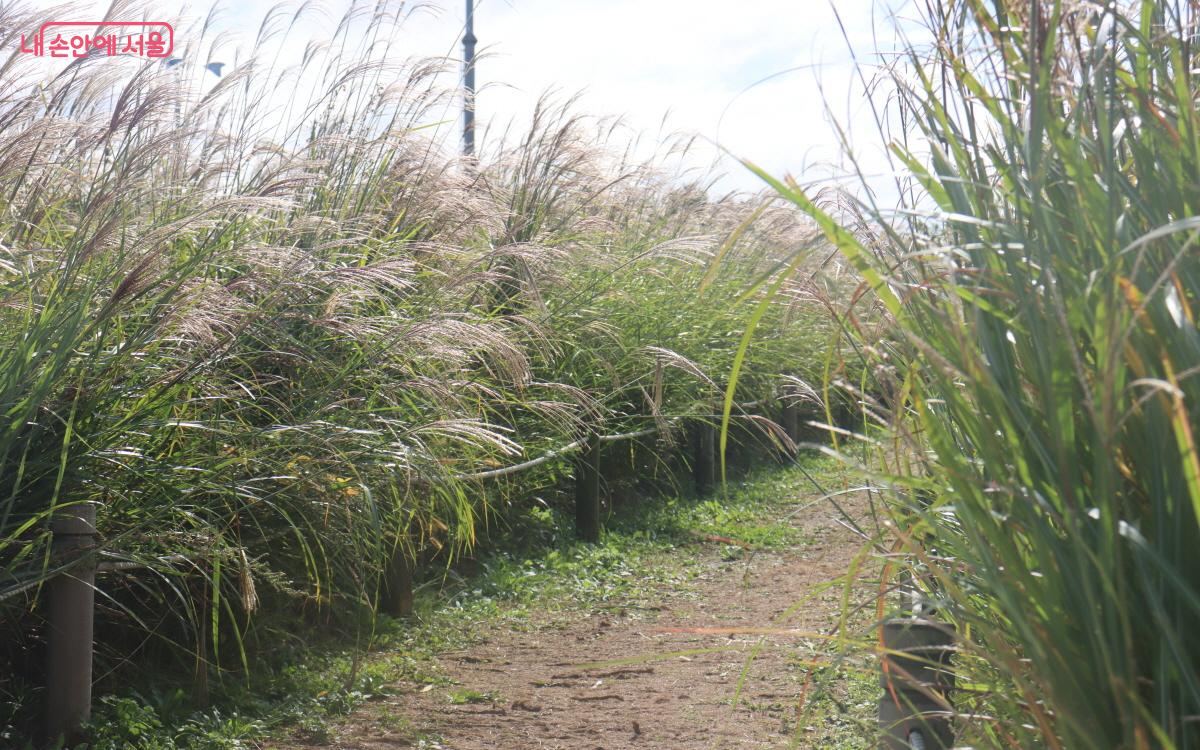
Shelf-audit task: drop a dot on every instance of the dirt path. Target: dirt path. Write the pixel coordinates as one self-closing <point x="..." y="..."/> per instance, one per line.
<point x="662" y="673"/>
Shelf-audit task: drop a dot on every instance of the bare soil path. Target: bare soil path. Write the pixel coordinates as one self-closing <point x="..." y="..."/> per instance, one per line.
<point x="659" y="671"/>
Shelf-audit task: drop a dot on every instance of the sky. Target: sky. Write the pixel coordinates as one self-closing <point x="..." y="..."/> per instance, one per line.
<point x="762" y="80"/>
<point x="753" y="76"/>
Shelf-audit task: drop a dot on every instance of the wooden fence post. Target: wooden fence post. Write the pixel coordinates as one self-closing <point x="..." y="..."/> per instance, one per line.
<point x="791" y="415"/>
<point x="704" y="450"/>
<point x="71" y="607"/>
<point x="202" y="594"/>
<point x="587" y="491"/>
<point x="398" y="584"/>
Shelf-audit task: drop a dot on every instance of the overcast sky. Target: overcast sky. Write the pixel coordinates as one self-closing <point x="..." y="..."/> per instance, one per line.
<point x="754" y="76"/>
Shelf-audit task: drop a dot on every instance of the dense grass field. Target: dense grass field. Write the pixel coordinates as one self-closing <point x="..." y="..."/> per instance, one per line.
<point x="284" y="351"/>
<point x="272" y="353"/>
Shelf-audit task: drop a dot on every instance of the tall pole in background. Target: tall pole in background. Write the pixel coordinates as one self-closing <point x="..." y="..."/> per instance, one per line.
<point x="469" y="83"/>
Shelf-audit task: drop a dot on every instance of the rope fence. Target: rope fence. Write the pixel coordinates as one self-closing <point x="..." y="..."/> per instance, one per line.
<point x="111" y="566"/>
<point x="70" y="586"/>
<point x="557" y="452"/>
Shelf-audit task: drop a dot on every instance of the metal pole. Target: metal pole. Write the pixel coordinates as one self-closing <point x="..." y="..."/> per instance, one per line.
<point x="70" y="609"/>
<point x="917" y="679"/>
<point x="469" y="41"/>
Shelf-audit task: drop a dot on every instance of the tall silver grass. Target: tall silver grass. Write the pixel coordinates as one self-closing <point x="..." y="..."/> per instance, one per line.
<point x="272" y="342"/>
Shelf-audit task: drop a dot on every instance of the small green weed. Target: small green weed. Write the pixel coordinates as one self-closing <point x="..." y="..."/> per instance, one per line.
<point x="839" y="712"/>
<point x="464" y="696"/>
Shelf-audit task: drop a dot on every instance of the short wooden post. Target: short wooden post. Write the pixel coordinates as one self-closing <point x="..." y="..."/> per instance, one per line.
<point x="397" y="599"/>
<point x="704" y="455"/>
<point x="791" y="417"/>
<point x="587" y="491"/>
<point x="201" y="594"/>
<point x="71" y="607"/>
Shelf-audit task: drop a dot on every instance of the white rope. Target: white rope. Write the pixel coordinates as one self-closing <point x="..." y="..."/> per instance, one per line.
<point x="505" y="471"/>
<point x="527" y="465"/>
<point x="628" y="435"/>
<point x="112" y="566"/>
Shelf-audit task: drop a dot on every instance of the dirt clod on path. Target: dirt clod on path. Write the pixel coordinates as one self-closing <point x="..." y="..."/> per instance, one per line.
<point x="660" y="674"/>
